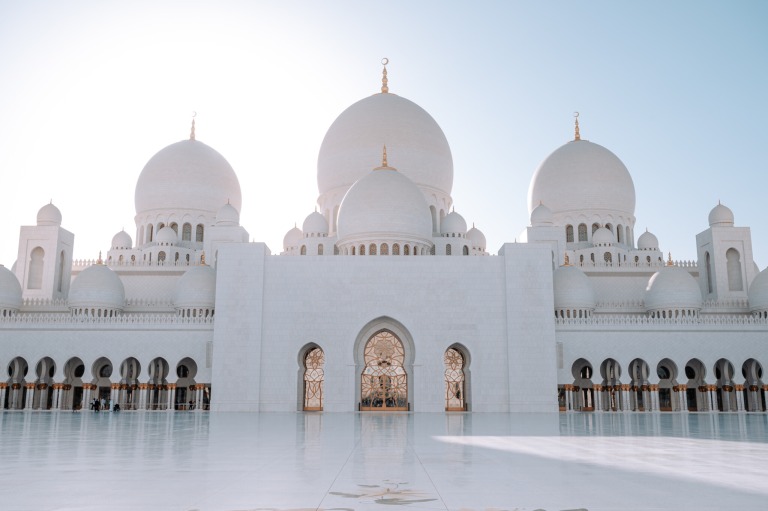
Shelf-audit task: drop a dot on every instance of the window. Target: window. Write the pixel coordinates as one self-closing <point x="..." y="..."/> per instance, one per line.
<point x="582" y="232"/>
<point x="454" y="380"/>
<point x="186" y="232"/>
<point x="569" y="233"/>
<point x="199" y="233"/>
<point x="36" y="266"/>
<point x="448" y="249"/>
<point x="314" y="375"/>
<point x="733" y="263"/>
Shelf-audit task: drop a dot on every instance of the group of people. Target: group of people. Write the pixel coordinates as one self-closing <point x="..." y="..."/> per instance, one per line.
<point x="103" y="404"/>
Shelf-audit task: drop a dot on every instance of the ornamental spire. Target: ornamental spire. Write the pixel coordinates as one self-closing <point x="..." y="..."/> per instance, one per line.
<point x="669" y="259"/>
<point x="192" y="131"/>
<point x="384" y="87"/>
<point x="384" y="164"/>
<point x="577" y="135"/>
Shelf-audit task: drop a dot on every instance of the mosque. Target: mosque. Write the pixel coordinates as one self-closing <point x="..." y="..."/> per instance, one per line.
<point x="385" y="299"/>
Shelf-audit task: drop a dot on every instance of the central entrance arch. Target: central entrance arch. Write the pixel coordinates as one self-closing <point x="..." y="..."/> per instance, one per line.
<point x="384" y="382"/>
<point x="384" y="361"/>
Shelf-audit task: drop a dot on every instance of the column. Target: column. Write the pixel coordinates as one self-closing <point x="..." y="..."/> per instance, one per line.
<point x="113" y="394"/>
<point x="683" y="390"/>
<point x="740" y="398"/>
<point x="626" y="405"/>
<point x="199" y="397"/>
<point x="30" y="396"/>
<point x="142" y="401"/>
<point x="171" y="392"/>
<point x="711" y="390"/>
<point x="596" y="391"/>
<point x="56" y="389"/>
<point x="3" y="391"/>
<point x="654" y="398"/>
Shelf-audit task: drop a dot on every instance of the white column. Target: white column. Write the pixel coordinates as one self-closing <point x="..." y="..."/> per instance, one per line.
<point x="30" y="396"/>
<point x="170" y="400"/>
<point x="740" y="405"/>
<point x="3" y="391"/>
<point x="683" y="398"/>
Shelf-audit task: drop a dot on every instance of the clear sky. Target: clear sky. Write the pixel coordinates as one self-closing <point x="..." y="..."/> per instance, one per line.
<point x="89" y="91"/>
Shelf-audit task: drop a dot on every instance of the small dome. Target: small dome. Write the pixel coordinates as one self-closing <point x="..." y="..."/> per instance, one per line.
<point x="581" y="176"/>
<point x="316" y="224"/>
<point x="758" y="292"/>
<point x="227" y="215"/>
<point x="385" y="205"/>
<point x="672" y="288"/>
<point x="721" y="216"/>
<point x="166" y="235"/>
<point x="187" y="175"/>
<point x="49" y="215"/>
<point x="477" y="238"/>
<point x="97" y="286"/>
<point x="573" y="290"/>
<point x="647" y="241"/>
<point x="122" y="240"/>
<point x="602" y="236"/>
<point x="10" y="290"/>
<point x="292" y="238"/>
<point x="453" y="223"/>
<point x="541" y="216"/>
<point x="196" y="288"/>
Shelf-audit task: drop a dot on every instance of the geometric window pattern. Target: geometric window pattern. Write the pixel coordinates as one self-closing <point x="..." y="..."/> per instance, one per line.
<point x="313" y="380"/>
<point x="454" y="381"/>
<point x="384" y="383"/>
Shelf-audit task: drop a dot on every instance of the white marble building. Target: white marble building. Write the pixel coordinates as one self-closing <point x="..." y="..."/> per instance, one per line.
<point x="385" y="299"/>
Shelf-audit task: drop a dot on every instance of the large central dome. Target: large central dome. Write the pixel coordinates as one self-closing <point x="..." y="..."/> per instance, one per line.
<point x="413" y="138"/>
<point x="187" y="175"/>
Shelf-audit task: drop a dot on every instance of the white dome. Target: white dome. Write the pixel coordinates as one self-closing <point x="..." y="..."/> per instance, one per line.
<point x="122" y="240"/>
<point x="227" y="215"/>
<point x="385" y="205"/>
<point x="541" y="216"/>
<point x="413" y="139"/>
<point x="166" y="235"/>
<point x="49" y="215"/>
<point x="582" y="176"/>
<point x="187" y="175"/>
<point x="573" y="290"/>
<point x="476" y="237"/>
<point x="292" y="238"/>
<point x="10" y="290"/>
<point x="316" y="224"/>
<point x="647" y="241"/>
<point x="721" y="216"/>
<point x="672" y="288"/>
<point x="97" y="286"/>
<point x="453" y="223"/>
<point x="196" y="288"/>
<point x="602" y="236"/>
<point x="758" y="292"/>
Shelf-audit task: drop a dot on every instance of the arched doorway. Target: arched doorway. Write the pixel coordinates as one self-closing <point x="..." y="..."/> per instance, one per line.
<point x="384" y="382"/>
<point x="43" y="397"/>
<point x="101" y="383"/>
<point x="640" y="390"/>
<point x="16" y="392"/>
<point x="726" y="397"/>
<point x="129" y="384"/>
<point x="455" y="380"/>
<point x="696" y="387"/>
<point x="314" y="376"/>
<point x="186" y="387"/>
<point x="583" y="392"/>
<point x="754" y="394"/>
<point x="610" y="370"/>
<point x="157" y="387"/>
<point x="666" y="370"/>
<point x="73" y="393"/>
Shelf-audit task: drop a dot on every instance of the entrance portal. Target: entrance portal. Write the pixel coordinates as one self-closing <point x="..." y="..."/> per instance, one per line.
<point x="384" y="382"/>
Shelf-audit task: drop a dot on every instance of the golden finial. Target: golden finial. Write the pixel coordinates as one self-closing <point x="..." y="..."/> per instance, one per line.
<point x="669" y="259"/>
<point x="576" y="118"/>
<point x="99" y="261"/>
<point x="384" y="87"/>
<point x="567" y="260"/>
<point x="384" y="157"/>
<point x="202" y="257"/>
<point x="192" y="131"/>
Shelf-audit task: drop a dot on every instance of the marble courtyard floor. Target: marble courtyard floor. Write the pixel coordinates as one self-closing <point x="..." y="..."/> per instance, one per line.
<point x="183" y="461"/>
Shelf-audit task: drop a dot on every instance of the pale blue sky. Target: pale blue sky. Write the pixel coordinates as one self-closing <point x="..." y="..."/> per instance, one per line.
<point x="91" y="90"/>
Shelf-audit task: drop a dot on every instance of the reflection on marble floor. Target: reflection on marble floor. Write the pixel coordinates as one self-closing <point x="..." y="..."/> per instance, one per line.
<point x="365" y="461"/>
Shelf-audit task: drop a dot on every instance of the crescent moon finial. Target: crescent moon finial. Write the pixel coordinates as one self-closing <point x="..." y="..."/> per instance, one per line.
<point x="384" y="86"/>
<point x="192" y="131"/>
<point x="576" y="127"/>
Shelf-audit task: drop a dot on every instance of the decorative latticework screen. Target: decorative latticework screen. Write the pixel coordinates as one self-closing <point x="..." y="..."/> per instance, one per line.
<point x="313" y="380"/>
<point x="384" y="383"/>
<point x="454" y="381"/>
